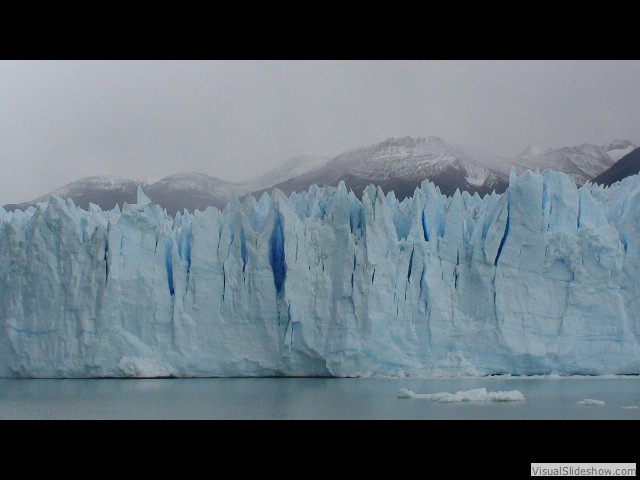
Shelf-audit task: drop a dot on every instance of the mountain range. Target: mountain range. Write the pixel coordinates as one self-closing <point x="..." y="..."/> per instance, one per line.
<point x="398" y="164"/>
<point x="190" y="190"/>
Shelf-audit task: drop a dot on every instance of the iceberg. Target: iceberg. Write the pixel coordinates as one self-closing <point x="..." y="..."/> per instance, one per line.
<point x="543" y="279"/>
<point x="590" y="402"/>
<point x="474" y="395"/>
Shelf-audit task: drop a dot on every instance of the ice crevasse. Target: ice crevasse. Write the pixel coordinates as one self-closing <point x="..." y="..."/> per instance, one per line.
<point x="544" y="278"/>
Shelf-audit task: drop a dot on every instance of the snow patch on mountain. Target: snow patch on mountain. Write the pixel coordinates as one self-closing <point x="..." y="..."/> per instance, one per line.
<point x="410" y="157"/>
<point x="291" y="168"/>
<point x="102" y="182"/>
<point x="582" y="163"/>
<point x="477" y="175"/>
<point x="619" y="148"/>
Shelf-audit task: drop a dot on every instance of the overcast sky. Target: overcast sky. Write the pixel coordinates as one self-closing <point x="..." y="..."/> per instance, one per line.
<point x="60" y="121"/>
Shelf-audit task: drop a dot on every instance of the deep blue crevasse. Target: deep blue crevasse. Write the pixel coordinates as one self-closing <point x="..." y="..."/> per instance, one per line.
<point x="276" y="257"/>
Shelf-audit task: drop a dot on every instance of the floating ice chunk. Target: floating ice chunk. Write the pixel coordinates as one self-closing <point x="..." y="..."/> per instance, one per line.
<point x="590" y="402"/>
<point x="406" y="393"/>
<point x="632" y="407"/>
<point x="138" y="367"/>
<point x="474" y="395"/>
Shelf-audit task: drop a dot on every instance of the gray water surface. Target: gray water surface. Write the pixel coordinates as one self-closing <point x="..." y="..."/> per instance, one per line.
<point x="310" y="398"/>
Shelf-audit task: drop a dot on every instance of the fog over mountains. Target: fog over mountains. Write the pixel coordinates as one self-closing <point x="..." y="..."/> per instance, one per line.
<point x="398" y="164"/>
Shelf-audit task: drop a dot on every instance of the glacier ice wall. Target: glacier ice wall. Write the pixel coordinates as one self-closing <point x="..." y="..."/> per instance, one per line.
<point x="544" y="278"/>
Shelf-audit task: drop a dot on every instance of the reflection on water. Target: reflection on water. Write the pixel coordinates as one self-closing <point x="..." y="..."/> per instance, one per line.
<point x="312" y="398"/>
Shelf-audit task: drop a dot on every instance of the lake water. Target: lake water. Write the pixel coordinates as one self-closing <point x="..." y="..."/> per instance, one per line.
<point x="310" y="398"/>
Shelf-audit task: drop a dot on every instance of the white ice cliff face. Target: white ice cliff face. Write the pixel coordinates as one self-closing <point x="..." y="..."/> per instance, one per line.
<point x="542" y="279"/>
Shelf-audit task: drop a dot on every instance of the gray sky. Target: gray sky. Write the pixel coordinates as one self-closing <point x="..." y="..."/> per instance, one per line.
<point x="60" y="121"/>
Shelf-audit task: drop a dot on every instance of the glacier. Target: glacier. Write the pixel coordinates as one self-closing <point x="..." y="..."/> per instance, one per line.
<point x="542" y="279"/>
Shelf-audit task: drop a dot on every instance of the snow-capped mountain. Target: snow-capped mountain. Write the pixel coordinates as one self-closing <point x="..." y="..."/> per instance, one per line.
<point x="582" y="162"/>
<point x="401" y="164"/>
<point x="103" y="190"/>
<point x="191" y="190"/>
<point x="628" y="165"/>
<point x="289" y="169"/>
<point x="176" y="192"/>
